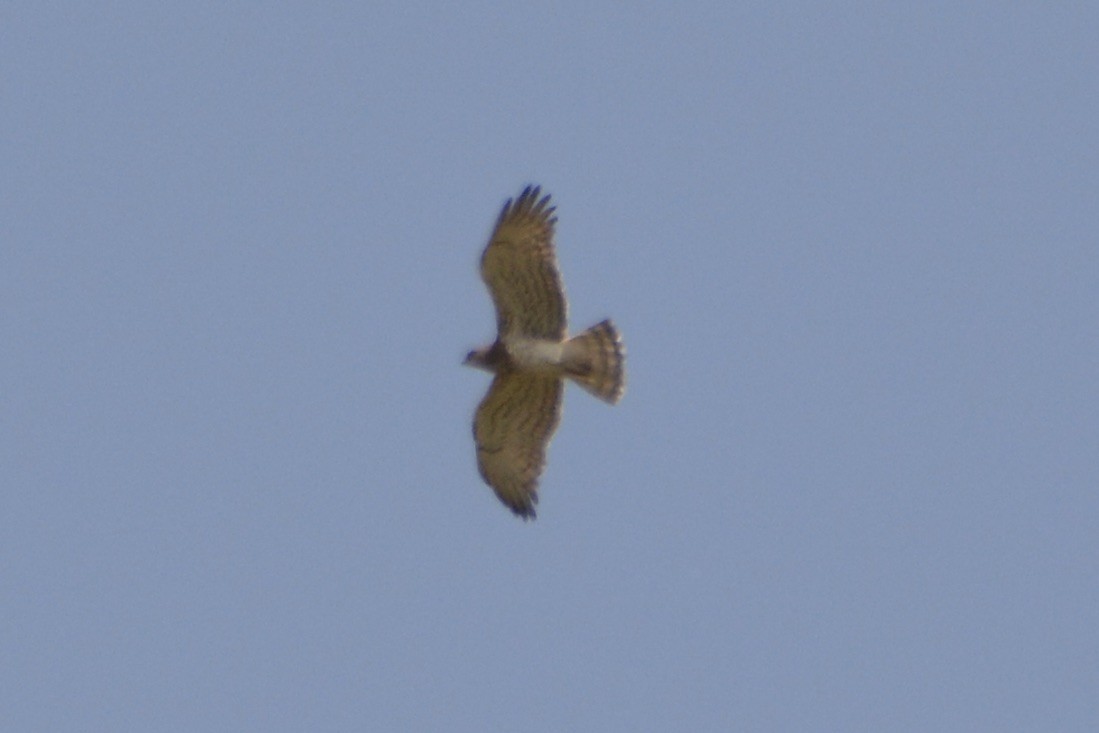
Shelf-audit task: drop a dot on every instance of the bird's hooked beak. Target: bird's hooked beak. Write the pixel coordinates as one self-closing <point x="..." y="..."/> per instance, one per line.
<point x="478" y="358"/>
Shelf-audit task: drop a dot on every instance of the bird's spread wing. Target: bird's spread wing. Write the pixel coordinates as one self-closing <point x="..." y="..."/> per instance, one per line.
<point x="520" y="268"/>
<point x="513" y="426"/>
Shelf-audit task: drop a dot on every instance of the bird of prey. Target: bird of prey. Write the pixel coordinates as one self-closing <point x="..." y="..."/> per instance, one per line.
<point x="532" y="354"/>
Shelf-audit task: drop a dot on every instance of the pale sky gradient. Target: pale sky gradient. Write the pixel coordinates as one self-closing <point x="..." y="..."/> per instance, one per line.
<point x="853" y="484"/>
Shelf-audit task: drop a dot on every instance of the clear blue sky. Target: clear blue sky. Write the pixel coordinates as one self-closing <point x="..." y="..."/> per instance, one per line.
<point x="853" y="484"/>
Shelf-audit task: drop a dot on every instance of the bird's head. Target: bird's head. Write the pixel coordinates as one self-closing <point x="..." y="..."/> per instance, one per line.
<point x="478" y="358"/>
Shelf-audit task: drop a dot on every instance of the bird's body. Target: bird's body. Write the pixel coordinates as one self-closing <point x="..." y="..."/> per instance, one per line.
<point x="532" y="353"/>
<point x="518" y="353"/>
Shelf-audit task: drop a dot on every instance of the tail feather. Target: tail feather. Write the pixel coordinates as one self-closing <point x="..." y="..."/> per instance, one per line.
<point x="596" y="360"/>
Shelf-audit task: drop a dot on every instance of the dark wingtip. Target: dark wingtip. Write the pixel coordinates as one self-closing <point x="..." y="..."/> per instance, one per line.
<point x="528" y="204"/>
<point x="524" y="509"/>
<point x="531" y="192"/>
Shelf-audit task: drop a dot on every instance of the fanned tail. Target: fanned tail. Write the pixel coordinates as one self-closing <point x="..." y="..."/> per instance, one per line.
<point x="596" y="360"/>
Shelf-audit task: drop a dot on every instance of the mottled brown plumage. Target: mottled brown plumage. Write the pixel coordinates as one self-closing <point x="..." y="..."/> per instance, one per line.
<point x="532" y="353"/>
<point x="519" y="267"/>
<point x="513" y="426"/>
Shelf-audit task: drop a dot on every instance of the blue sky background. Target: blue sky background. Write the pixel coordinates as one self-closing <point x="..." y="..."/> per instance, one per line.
<point x="853" y="484"/>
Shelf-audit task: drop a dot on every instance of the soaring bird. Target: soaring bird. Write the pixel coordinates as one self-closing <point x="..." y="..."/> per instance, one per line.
<point x="532" y="354"/>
